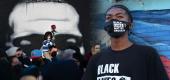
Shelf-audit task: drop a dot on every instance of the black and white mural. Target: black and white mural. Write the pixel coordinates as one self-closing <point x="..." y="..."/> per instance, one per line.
<point x="24" y="23"/>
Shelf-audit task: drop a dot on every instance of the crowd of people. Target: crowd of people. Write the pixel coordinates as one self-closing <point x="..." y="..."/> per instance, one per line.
<point x="47" y="63"/>
<point x="122" y="60"/>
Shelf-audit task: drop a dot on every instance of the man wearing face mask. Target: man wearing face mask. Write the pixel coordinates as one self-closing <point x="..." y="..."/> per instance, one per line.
<point x="124" y="60"/>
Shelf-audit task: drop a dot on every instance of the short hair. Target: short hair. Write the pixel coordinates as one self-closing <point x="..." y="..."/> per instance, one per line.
<point x="94" y="43"/>
<point x="124" y="8"/>
<point x="53" y="46"/>
<point x="46" y="35"/>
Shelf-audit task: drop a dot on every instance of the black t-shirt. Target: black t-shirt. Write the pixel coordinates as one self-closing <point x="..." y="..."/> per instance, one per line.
<point x="134" y="63"/>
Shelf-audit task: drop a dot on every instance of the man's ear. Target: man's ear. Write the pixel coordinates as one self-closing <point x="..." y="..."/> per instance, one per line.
<point x="130" y="25"/>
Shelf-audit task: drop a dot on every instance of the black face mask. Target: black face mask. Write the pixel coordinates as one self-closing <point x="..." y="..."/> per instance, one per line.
<point x="116" y="28"/>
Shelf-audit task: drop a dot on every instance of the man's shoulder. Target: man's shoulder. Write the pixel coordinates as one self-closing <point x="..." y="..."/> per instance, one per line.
<point x="144" y="47"/>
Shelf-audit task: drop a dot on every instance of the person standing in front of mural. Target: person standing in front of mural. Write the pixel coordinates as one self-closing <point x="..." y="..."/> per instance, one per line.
<point x="124" y="60"/>
<point x="47" y="41"/>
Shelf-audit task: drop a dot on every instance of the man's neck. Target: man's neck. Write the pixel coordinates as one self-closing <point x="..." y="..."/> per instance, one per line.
<point x="121" y="43"/>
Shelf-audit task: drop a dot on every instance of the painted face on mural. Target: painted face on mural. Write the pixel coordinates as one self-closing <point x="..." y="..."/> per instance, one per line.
<point x="31" y="20"/>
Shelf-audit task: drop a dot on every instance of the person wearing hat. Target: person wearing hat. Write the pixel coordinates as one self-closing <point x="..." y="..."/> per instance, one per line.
<point x="15" y="63"/>
<point x="11" y="51"/>
<point x="12" y="54"/>
<point x="18" y="55"/>
<point x="37" y="58"/>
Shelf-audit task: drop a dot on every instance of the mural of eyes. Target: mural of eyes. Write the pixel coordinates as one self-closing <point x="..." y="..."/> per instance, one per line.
<point x="35" y="41"/>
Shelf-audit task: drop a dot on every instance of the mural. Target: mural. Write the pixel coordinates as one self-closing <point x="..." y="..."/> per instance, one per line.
<point x="153" y="28"/>
<point x="27" y="21"/>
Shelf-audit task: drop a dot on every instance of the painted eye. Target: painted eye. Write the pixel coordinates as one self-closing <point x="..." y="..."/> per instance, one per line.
<point x="71" y="40"/>
<point x="25" y="42"/>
